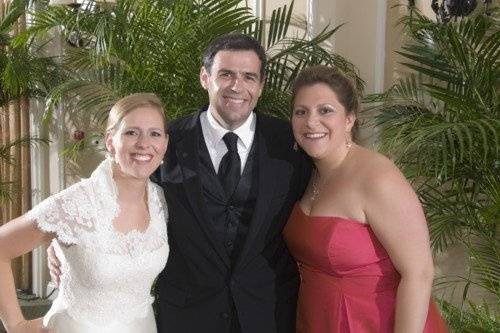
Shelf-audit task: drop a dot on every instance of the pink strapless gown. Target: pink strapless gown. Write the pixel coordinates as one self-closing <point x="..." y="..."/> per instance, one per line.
<point x="348" y="282"/>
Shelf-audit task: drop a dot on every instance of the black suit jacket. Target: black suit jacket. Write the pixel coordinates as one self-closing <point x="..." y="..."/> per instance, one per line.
<point x="199" y="287"/>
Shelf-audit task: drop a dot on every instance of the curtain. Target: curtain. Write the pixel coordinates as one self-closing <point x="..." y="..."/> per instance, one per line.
<point x="14" y="125"/>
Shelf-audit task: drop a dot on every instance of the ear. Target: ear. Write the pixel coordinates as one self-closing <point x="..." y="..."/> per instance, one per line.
<point x="349" y="121"/>
<point x="204" y="77"/>
<point x="108" y="139"/>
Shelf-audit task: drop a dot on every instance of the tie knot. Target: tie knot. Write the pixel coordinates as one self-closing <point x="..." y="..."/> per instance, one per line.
<point x="230" y="139"/>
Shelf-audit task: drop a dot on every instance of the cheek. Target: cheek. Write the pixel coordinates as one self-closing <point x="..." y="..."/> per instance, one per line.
<point x="295" y="121"/>
<point x="161" y="147"/>
<point x="295" y="125"/>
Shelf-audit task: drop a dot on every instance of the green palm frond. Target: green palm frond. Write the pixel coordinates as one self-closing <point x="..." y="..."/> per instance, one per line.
<point x="441" y="124"/>
<point x="156" y="46"/>
<point x="24" y="70"/>
<point x="485" y="260"/>
<point x="5" y="148"/>
<point x="478" y="319"/>
<point x="7" y="187"/>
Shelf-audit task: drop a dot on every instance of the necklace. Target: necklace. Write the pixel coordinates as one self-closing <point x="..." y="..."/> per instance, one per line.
<point x="315" y="178"/>
<point x="315" y="186"/>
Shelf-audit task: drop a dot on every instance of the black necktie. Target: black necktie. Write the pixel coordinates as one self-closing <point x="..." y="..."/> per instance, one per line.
<point x="230" y="165"/>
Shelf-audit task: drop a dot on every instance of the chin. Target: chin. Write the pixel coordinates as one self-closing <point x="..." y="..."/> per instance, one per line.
<point x="313" y="152"/>
<point x="143" y="174"/>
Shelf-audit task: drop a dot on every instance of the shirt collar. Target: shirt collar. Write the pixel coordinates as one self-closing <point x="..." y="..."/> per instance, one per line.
<point x="245" y="132"/>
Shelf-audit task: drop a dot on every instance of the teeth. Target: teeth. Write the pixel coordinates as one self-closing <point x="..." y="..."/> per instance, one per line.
<point x="141" y="157"/>
<point x="236" y="100"/>
<point x="314" y="135"/>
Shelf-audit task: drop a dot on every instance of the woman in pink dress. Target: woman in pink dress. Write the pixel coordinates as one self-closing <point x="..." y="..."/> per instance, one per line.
<point x="359" y="234"/>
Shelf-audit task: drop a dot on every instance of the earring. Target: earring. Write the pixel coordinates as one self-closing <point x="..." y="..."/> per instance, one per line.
<point x="295" y="146"/>
<point x="161" y="162"/>
<point x="348" y="142"/>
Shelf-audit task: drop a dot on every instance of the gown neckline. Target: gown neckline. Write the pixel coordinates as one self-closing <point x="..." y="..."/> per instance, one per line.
<point x="334" y="217"/>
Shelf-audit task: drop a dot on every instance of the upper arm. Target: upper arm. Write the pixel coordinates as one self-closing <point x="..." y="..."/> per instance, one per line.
<point x="397" y="218"/>
<point x="20" y="236"/>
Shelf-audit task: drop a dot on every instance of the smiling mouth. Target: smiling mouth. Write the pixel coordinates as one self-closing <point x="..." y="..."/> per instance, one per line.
<point x="234" y="100"/>
<point x="314" y="135"/>
<point x="142" y="157"/>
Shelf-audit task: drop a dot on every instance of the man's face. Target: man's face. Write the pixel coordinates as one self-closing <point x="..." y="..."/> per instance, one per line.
<point x="234" y="86"/>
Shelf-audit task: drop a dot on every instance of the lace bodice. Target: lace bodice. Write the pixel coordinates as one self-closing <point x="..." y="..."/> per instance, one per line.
<point x="106" y="275"/>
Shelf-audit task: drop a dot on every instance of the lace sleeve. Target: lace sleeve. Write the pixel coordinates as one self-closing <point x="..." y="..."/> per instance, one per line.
<point x="67" y="213"/>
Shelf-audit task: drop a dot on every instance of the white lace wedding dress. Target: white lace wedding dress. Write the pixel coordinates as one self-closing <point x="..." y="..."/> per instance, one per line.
<point x="106" y="275"/>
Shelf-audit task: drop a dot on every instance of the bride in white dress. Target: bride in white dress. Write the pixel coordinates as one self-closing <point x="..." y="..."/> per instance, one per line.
<point x="110" y="231"/>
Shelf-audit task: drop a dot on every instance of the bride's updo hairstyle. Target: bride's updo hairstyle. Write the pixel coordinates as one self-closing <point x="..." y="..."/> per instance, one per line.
<point x="342" y="86"/>
<point x="130" y="103"/>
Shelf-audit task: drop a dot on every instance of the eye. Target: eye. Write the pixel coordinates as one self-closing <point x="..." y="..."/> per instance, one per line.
<point x="130" y="132"/>
<point x="225" y="74"/>
<point x="325" y="110"/>
<point x="251" y="78"/>
<point x="156" y="134"/>
<point x="299" y="112"/>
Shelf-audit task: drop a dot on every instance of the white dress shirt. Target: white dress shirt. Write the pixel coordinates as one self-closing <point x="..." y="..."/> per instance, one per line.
<point x="213" y="133"/>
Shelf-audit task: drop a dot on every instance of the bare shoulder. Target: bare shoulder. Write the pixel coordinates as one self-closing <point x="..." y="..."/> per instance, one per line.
<point x="377" y="173"/>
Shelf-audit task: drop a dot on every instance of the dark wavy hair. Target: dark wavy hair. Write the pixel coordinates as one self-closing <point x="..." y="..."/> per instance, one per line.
<point x="233" y="42"/>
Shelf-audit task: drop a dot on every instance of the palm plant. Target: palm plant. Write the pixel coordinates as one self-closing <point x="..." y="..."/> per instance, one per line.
<point x="156" y="46"/>
<point x="24" y="72"/>
<point x="441" y="122"/>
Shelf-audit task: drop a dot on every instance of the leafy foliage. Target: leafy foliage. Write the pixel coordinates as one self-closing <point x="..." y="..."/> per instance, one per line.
<point x="156" y="46"/>
<point x="24" y="70"/>
<point x="480" y="319"/>
<point x="441" y="122"/>
<point x="7" y="188"/>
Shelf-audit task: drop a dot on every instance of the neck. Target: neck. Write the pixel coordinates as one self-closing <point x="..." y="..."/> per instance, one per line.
<point x="129" y="189"/>
<point x="331" y="164"/>
<point x="221" y="122"/>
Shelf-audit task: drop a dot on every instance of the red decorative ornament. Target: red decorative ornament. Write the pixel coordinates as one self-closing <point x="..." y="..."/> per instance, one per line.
<point x="78" y="135"/>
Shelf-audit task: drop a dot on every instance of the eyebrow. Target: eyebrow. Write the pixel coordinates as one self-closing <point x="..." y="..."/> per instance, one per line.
<point x="320" y="105"/>
<point x="149" y="129"/>
<point x="252" y="74"/>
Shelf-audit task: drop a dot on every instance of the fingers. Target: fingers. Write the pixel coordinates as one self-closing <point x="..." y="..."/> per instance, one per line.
<point x="54" y="265"/>
<point x="52" y="257"/>
<point x="55" y="278"/>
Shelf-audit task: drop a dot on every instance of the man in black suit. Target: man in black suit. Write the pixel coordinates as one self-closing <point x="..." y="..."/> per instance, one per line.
<point x="229" y="197"/>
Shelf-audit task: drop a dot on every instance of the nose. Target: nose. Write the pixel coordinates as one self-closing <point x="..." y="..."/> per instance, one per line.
<point x="237" y="83"/>
<point x="142" y="141"/>
<point x="311" y="119"/>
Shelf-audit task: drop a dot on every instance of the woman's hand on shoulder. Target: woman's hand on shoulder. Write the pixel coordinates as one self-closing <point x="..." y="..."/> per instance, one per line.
<point x="30" y="326"/>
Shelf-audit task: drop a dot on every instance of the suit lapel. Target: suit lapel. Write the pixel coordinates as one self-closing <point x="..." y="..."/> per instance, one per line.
<point x="268" y="173"/>
<point x="189" y="161"/>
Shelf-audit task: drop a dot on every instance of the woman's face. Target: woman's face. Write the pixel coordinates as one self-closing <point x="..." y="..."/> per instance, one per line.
<point x="139" y="143"/>
<point x="320" y="123"/>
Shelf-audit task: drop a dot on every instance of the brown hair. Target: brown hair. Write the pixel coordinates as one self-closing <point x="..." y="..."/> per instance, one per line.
<point x="342" y="86"/>
<point x="130" y="103"/>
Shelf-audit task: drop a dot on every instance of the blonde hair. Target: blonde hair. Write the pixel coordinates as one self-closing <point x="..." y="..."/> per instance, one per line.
<point x="130" y="103"/>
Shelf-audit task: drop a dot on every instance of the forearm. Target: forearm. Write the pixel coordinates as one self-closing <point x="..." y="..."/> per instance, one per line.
<point x="10" y="312"/>
<point x="412" y="303"/>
